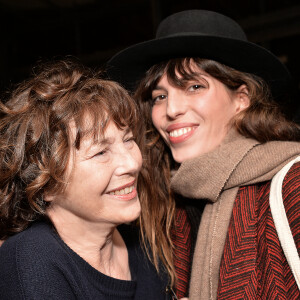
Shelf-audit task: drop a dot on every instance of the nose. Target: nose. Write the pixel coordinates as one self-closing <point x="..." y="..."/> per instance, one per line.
<point x="129" y="161"/>
<point x="176" y="105"/>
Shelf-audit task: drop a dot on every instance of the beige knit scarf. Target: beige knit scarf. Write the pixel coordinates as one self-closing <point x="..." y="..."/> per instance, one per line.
<point x="216" y="177"/>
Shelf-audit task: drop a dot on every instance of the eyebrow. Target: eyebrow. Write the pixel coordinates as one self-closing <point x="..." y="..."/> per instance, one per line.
<point x="109" y="140"/>
<point x="103" y="141"/>
<point x="158" y="87"/>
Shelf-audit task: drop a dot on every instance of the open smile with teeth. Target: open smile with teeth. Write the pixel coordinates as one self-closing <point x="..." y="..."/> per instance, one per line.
<point x="179" y="132"/>
<point x="124" y="191"/>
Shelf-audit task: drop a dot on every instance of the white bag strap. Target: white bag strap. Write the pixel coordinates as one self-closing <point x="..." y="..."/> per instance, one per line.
<point x="281" y="222"/>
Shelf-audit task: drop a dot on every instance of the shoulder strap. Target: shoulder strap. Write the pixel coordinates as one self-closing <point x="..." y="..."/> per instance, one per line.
<point x="281" y="222"/>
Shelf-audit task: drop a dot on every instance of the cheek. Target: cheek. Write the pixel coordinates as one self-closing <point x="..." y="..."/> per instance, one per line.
<point x="229" y="113"/>
<point x="95" y="180"/>
<point x="138" y="156"/>
<point x="222" y="111"/>
<point x="91" y="177"/>
<point x="156" y="116"/>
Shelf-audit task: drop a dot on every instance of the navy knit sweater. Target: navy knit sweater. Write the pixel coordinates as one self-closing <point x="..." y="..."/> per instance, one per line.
<point x="37" y="264"/>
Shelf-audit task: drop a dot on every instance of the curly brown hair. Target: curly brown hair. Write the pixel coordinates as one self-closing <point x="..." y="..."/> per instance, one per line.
<point x="263" y="120"/>
<point x="34" y="134"/>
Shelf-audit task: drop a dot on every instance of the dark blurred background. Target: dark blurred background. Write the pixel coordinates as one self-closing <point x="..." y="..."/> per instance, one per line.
<point x="94" y="30"/>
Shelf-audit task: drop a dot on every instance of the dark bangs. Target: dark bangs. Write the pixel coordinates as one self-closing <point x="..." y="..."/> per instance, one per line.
<point x="178" y="70"/>
<point x="181" y="70"/>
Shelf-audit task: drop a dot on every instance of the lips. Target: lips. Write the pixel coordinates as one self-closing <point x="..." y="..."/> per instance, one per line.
<point x="124" y="192"/>
<point x="179" y="133"/>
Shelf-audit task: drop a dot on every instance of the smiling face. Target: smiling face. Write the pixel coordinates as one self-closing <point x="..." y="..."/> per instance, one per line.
<point x="102" y="180"/>
<point x="194" y="120"/>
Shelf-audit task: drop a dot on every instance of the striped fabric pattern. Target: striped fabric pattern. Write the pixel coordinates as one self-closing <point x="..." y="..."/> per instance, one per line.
<point x="253" y="265"/>
<point x="181" y="238"/>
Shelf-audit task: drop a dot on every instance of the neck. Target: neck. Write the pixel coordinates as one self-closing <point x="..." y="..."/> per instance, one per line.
<point x="99" y="244"/>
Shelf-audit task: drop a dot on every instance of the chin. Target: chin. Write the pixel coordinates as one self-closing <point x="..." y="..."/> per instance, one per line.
<point x="181" y="158"/>
<point x="184" y="154"/>
<point x="131" y="213"/>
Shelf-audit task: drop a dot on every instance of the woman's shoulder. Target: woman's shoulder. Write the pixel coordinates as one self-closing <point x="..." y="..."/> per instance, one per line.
<point x="293" y="175"/>
<point x="34" y="249"/>
<point x="38" y="236"/>
<point x="31" y="235"/>
<point x="291" y="185"/>
<point x="291" y="200"/>
<point x="33" y="255"/>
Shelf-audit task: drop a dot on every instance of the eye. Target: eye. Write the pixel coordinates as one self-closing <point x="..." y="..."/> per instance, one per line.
<point x="129" y="140"/>
<point x="101" y="153"/>
<point x="195" y="87"/>
<point x="158" y="98"/>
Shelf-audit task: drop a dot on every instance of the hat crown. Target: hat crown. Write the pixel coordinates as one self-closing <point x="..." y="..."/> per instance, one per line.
<point x="200" y="22"/>
<point x="204" y="34"/>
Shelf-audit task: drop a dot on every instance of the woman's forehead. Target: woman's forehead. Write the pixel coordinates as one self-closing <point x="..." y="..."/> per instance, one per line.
<point x="95" y="131"/>
<point x="189" y="73"/>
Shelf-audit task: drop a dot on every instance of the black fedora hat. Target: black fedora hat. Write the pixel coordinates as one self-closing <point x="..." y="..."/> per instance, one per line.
<point x="204" y="34"/>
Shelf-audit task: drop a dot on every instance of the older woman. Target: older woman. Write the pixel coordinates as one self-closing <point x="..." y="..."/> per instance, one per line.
<point x="69" y="170"/>
<point x="210" y="100"/>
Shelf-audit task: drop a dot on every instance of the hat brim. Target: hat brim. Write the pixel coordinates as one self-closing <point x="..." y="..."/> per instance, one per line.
<point x="129" y="66"/>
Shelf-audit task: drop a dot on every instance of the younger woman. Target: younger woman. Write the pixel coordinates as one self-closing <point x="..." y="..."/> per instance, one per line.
<point x="211" y="100"/>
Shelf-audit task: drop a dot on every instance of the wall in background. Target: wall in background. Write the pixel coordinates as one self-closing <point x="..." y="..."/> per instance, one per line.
<point x="94" y="30"/>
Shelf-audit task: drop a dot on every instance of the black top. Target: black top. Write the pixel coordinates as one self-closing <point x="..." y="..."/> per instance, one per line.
<point x="37" y="264"/>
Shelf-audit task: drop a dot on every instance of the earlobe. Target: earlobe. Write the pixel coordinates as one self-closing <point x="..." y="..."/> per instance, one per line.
<point x="242" y="98"/>
<point x="48" y="198"/>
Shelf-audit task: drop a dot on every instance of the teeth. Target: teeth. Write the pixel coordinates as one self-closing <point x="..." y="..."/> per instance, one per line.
<point x="127" y="190"/>
<point x="179" y="132"/>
